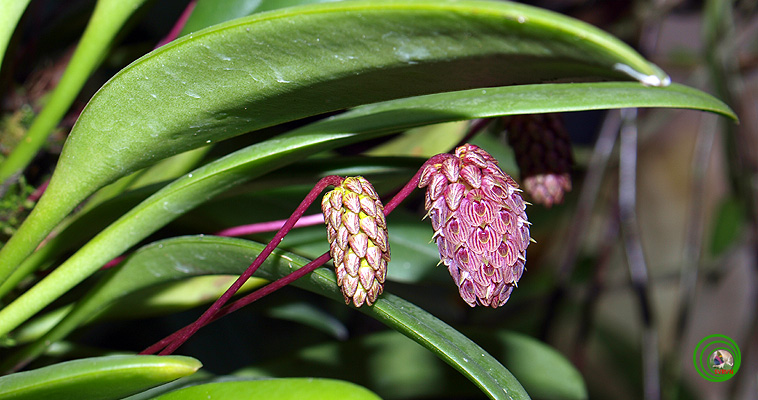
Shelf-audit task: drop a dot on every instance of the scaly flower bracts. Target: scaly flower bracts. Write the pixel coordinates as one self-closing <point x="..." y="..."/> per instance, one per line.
<point x="357" y="233"/>
<point x="479" y="222"/>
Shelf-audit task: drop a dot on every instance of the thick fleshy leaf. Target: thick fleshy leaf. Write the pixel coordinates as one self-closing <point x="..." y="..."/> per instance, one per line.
<point x="153" y="301"/>
<point x="363" y="122"/>
<point x="187" y="256"/>
<point x="10" y="13"/>
<point x="111" y="377"/>
<point x="248" y="74"/>
<point x="282" y="389"/>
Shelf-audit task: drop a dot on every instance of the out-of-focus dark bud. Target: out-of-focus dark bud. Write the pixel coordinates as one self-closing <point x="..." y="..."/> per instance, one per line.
<point x="357" y="233"/>
<point x="543" y="154"/>
<point x="479" y="222"/>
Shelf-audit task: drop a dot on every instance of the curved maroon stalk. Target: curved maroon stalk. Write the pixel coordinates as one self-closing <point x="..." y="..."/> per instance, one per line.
<point x="179" y="25"/>
<point x="258" y="294"/>
<point x="270" y="226"/>
<point x="331" y="180"/>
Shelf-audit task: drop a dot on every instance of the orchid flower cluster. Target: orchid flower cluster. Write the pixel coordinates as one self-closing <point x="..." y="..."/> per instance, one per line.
<point x="480" y="228"/>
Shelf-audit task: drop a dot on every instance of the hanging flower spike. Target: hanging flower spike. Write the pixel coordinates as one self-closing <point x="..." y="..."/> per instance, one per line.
<point x="357" y="233"/>
<point x="543" y="154"/>
<point x="479" y="222"/>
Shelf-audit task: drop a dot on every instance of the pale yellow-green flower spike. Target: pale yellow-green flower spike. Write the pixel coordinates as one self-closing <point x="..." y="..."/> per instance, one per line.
<point x="357" y="233"/>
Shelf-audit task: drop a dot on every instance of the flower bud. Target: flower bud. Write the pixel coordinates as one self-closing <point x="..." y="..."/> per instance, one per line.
<point x="479" y="223"/>
<point x="543" y="154"/>
<point x="357" y="233"/>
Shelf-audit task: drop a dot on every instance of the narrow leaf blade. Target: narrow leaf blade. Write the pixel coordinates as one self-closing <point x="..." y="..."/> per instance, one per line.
<point x="111" y="377"/>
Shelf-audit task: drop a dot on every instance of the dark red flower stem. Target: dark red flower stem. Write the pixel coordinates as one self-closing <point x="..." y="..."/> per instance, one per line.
<point x="411" y="185"/>
<point x="477" y="126"/>
<point x="179" y="25"/>
<point x="258" y="294"/>
<point x="331" y="180"/>
<point x="270" y="226"/>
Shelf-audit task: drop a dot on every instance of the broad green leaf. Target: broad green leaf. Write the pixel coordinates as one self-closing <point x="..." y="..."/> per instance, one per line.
<point x="10" y="13"/>
<point x="107" y="19"/>
<point x="155" y="300"/>
<point x="248" y="74"/>
<point x="395" y="367"/>
<point x="111" y="377"/>
<point x="76" y="232"/>
<point x="179" y="258"/>
<point x="282" y="389"/>
<point x="363" y="122"/>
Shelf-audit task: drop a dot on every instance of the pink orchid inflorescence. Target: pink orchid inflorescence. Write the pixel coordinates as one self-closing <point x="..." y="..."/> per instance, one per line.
<point x="479" y="222"/>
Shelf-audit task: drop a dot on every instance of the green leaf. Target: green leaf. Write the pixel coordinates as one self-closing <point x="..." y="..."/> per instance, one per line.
<point x="111" y="377"/>
<point x="179" y="258"/>
<point x="248" y="74"/>
<point x="107" y="19"/>
<point x="10" y="13"/>
<point x="363" y="122"/>
<point x="283" y="389"/>
<point x="76" y="233"/>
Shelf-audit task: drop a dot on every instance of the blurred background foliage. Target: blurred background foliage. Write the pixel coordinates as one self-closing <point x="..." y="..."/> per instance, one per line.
<point x="697" y="214"/>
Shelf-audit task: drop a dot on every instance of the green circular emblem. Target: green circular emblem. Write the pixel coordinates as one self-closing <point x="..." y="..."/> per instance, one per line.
<point x="717" y="358"/>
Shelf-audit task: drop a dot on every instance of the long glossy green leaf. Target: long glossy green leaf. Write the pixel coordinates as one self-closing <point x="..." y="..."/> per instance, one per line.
<point x="111" y="377"/>
<point x="107" y="19"/>
<point x="363" y="122"/>
<point x="251" y="73"/>
<point x="281" y="389"/>
<point x="187" y="256"/>
<point x="10" y="13"/>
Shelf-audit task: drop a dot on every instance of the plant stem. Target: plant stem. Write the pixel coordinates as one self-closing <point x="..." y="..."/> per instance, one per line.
<point x="179" y="25"/>
<point x="634" y="252"/>
<point x="604" y="145"/>
<point x="331" y="180"/>
<point x="270" y="226"/>
<point x="258" y="294"/>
